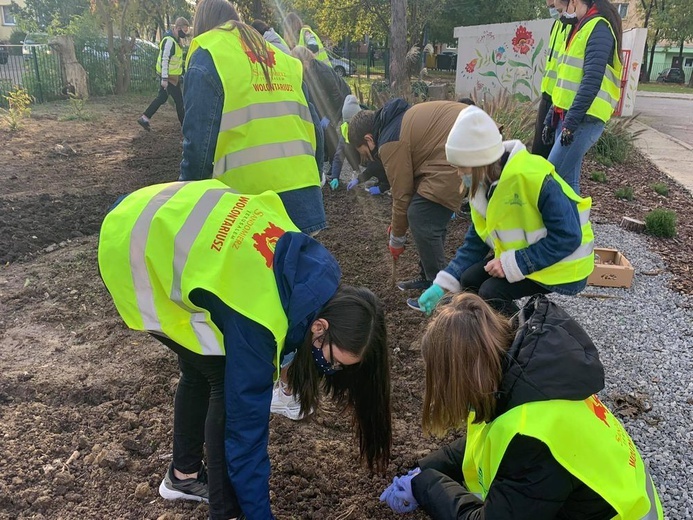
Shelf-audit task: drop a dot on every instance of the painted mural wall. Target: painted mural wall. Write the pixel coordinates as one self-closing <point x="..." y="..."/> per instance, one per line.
<point x="510" y="57"/>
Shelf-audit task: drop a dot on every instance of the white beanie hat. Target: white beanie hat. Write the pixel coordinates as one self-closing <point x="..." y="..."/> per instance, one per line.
<point x="474" y="139"/>
<point x="351" y="108"/>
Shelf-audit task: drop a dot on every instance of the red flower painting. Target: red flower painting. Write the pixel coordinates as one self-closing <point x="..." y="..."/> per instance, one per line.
<point x="470" y="66"/>
<point x="523" y="40"/>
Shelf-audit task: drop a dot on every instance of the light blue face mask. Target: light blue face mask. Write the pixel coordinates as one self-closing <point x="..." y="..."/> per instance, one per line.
<point x="553" y="13"/>
<point x="467" y="180"/>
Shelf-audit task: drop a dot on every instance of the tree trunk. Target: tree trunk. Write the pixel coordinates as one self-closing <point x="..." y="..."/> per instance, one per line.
<point x="399" y="75"/>
<point x="652" y="53"/>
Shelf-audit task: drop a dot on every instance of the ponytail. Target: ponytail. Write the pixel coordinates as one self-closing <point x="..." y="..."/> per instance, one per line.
<point x="608" y="11"/>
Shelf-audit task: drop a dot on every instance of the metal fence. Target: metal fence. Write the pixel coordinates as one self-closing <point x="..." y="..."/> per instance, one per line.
<point x="37" y="69"/>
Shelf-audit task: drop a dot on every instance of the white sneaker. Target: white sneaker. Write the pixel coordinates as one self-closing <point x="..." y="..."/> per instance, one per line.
<point x="286" y="405"/>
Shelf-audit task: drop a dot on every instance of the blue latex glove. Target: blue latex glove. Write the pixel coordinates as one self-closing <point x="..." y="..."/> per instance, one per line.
<point x="399" y="495"/>
<point x="324" y="122"/>
<point x="334" y="184"/>
<point x="375" y="190"/>
<point x="430" y="298"/>
<point x="352" y="183"/>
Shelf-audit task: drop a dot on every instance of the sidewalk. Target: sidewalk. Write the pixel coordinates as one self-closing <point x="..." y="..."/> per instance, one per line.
<point x="669" y="95"/>
<point x="671" y="155"/>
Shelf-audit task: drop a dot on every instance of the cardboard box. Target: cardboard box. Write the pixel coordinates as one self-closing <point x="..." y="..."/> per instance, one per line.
<point x="611" y="269"/>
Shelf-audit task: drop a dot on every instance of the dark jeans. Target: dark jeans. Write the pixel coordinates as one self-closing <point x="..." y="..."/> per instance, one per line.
<point x="499" y="293"/>
<point x="538" y="146"/>
<point x="428" y="222"/>
<point x="173" y="91"/>
<point x="198" y="421"/>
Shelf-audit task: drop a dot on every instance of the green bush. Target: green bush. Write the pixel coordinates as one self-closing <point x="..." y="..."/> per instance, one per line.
<point x="661" y="188"/>
<point x="625" y="193"/>
<point x="598" y="176"/>
<point x="16" y="38"/>
<point x="616" y="143"/>
<point x="516" y="117"/>
<point x="661" y="223"/>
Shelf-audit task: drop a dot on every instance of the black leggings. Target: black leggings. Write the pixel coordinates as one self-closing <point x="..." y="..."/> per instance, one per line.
<point x="499" y="293"/>
<point x="171" y="90"/>
<point x="198" y="421"/>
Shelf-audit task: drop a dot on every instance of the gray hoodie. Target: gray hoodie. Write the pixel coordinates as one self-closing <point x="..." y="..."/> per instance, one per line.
<point x="276" y="40"/>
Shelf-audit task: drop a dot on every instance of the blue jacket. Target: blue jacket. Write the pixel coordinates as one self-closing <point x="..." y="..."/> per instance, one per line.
<point x="599" y="52"/>
<point x="563" y="236"/>
<point x="307" y="277"/>
<point x="204" y="100"/>
<point x="388" y="121"/>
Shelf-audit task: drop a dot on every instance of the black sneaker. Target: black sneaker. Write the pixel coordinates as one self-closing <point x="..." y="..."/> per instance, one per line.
<point x="413" y="303"/>
<point x="417" y="284"/>
<point x="144" y="123"/>
<point x="195" y="489"/>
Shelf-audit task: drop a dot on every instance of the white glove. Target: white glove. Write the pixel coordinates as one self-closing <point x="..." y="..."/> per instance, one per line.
<point x="164" y="83"/>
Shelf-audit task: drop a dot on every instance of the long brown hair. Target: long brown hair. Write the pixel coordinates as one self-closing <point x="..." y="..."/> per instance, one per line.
<point x="463" y="350"/>
<point x="213" y="14"/>
<point x="608" y="11"/>
<point x="480" y="174"/>
<point x="356" y="325"/>
<point x="292" y="29"/>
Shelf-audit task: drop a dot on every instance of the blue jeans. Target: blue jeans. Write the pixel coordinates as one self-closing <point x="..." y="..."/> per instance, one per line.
<point x="305" y="208"/>
<point x="568" y="159"/>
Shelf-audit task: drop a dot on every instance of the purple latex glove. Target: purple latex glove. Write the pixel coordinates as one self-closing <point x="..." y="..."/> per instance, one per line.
<point x="352" y="183"/>
<point x="375" y="190"/>
<point x="399" y="496"/>
<point x="324" y="122"/>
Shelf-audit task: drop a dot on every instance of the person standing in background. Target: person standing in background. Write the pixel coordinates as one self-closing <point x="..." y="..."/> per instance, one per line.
<point x="296" y="33"/>
<point x="169" y="67"/>
<point x="559" y="31"/>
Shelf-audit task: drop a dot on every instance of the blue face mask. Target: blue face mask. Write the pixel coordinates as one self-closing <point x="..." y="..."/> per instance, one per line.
<point x="553" y="13"/>
<point x="324" y="366"/>
<point x="569" y="18"/>
<point x="467" y="180"/>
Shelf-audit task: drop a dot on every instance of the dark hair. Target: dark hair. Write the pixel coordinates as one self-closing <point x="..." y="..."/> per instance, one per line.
<point x="260" y="26"/>
<point x="609" y="11"/>
<point x="467" y="101"/>
<point x="210" y="14"/>
<point x="292" y="28"/>
<point x="360" y="125"/>
<point x="356" y="325"/>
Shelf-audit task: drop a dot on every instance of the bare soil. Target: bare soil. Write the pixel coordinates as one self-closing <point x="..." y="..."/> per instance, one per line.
<point x="86" y="404"/>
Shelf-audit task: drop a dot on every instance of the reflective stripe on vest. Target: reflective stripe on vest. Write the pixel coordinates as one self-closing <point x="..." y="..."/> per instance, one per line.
<point x="511" y="220"/>
<point x="570" y="73"/>
<point x="266" y="137"/>
<point x="583" y="437"/>
<point x="556" y="47"/>
<point x="322" y="53"/>
<point x="175" y="61"/>
<point x="163" y="242"/>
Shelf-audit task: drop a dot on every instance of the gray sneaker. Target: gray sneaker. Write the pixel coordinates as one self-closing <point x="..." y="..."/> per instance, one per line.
<point x="195" y="489"/>
<point x="144" y="123"/>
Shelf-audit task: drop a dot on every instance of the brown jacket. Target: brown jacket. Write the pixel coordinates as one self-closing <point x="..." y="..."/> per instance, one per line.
<point x="417" y="164"/>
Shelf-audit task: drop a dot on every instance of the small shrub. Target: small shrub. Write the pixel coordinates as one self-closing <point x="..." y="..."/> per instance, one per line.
<point x="18" y="101"/>
<point x="661" y="223"/>
<point x="598" y="176"/>
<point x="516" y="117"/>
<point x="78" y="110"/>
<point x="625" y="193"/>
<point x="661" y="188"/>
<point x="616" y="143"/>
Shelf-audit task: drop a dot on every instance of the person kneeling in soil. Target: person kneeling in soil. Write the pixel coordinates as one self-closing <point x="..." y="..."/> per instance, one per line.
<point x="536" y="227"/>
<point x="231" y="285"/>
<point x="539" y="443"/>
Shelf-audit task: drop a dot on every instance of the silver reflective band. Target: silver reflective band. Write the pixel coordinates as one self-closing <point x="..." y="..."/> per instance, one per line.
<point x="519" y="234"/>
<point x="241" y="116"/>
<point x="584" y="217"/>
<point x="652" y="513"/>
<point x="182" y="243"/>
<point x="551" y="73"/>
<point x="581" y="252"/>
<point x="573" y="87"/>
<point x="264" y="152"/>
<point x="138" y="259"/>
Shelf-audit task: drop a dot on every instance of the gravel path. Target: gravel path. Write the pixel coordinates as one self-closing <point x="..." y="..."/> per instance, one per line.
<point x="645" y="339"/>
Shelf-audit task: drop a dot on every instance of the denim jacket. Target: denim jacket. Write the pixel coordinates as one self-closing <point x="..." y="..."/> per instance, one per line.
<point x="204" y="100"/>
<point x="563" y="236"/>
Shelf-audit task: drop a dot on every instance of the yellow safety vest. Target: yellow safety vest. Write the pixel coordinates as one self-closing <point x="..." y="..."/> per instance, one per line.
<point x="559" y="33"/>
<point x="322" y="53"/>
<point x="512" y="220"/>
<point x="175" y="61"/>
<point x="164" y="241"/>
<point x="583" y="436"/>
<point x="570" y="72"/>
<point x="266" y="138"/>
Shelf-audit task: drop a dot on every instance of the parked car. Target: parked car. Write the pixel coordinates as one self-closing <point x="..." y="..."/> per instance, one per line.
<point x="142" y="49"/>
<point x="672" y="75"/>
<point x="32" y="39"/>
<point x="341" y="66"/>
<point x="4" y="53"/>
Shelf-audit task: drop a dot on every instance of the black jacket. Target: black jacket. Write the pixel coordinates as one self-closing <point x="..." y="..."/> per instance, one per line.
<point x="327" y="90"/>
<point x="551" y="358"/>
<point x="388" y="121"/>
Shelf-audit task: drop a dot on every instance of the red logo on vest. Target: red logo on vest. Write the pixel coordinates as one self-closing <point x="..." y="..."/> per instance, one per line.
<point x="270" y="61"/>
<point x="598" y="409"/>
<point x="266" y="241"/>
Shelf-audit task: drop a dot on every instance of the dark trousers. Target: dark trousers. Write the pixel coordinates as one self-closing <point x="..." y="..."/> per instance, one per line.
<point x="499" y="293"/>
<point x="171" y="90"/>
<point x="538" y="146"/>
<point x="198" y="422"/>
<point x="428" y="222"/>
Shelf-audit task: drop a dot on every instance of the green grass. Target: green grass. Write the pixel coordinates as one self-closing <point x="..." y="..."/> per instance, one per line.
<point x="598" y="176"/>
<point x="625" y="193"/>
<point x="661" y="188"/>
<point x="665" y="87"/>
<point x="661" y="223"/>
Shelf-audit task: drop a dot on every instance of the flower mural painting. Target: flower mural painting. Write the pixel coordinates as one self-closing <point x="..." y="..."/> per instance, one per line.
<point x="523" y="40"/>
<point x="471" y="66"/>
<point x="500" y="53"/>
